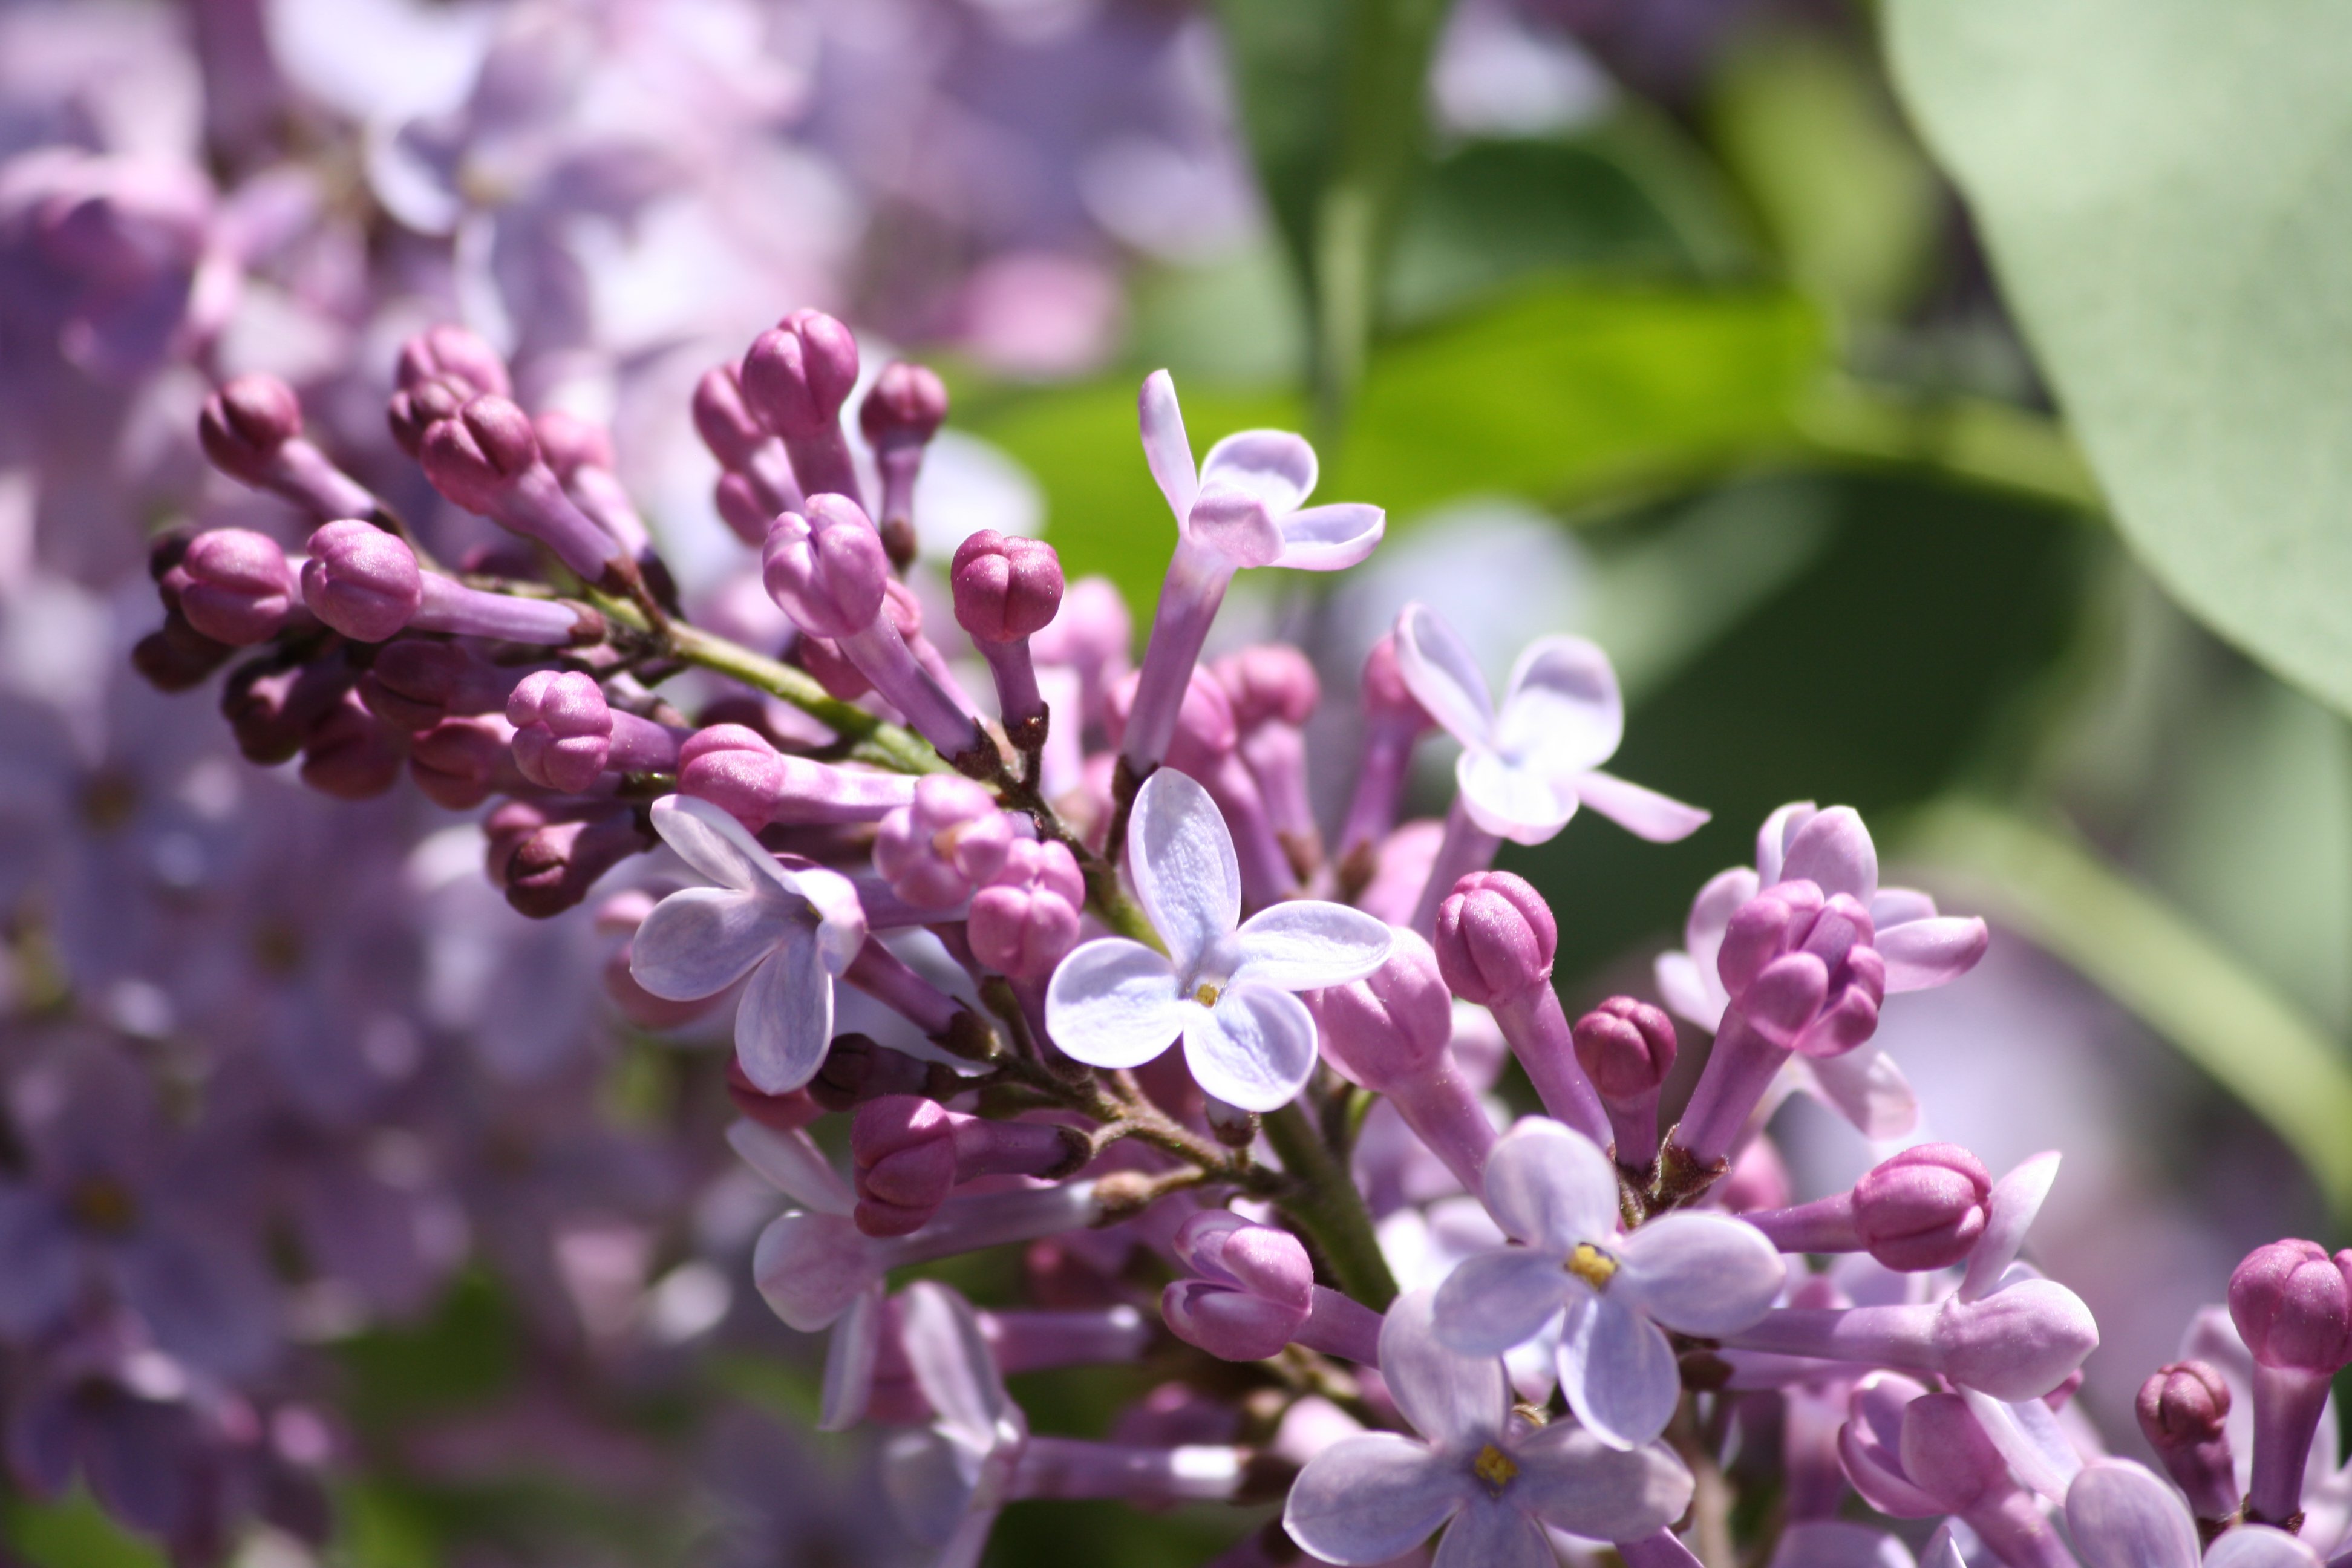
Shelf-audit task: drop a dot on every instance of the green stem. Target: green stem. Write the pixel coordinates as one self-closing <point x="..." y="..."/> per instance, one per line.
<point x="1325" y="1204"/>
<point x="870" y="739"/>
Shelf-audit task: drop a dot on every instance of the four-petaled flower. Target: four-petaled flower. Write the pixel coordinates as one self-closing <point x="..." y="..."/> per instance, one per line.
<point x="1245" y="503"/>
<point x="1555" y="1193"/>
<point x="1225" y="985"/>
<point x="1496" y="1478"/>
<point x="1526" y="766"/>
<point x="792" y="928"/>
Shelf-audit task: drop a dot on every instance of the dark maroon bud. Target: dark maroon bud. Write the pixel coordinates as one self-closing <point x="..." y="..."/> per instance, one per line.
<point x="351" y="754"/>
<point x="246" y="422"/>
<point x="1626" y="1048"/>
<point x="905" y="406"/>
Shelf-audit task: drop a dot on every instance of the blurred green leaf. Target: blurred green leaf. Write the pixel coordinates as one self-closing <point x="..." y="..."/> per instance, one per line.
<point x="384" y="1528"/>
<point x="2166" y="187"/>
<point x="72" y="1532"/>
<point x="2215" y="1011"/>
<point x="465" y="1353"/>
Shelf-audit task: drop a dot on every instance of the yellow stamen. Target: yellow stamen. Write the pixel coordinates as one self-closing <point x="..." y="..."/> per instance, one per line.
<point x="1494" y="1467"/>
<point x="1207" y="996"/>
<point x="1591" y="1265"/>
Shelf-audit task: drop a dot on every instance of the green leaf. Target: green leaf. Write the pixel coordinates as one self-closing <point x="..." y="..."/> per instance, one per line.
<point x="72" y="1532"/>
<point x="2217" y="1013"/>
<point x="2165" y="186"/>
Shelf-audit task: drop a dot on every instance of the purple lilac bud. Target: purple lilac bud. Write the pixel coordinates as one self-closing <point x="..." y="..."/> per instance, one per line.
<point x="361" y="581"/>
<point x="939" y="849"/>
<point x="238" y="587"/>
<point x="743" y="509"/>
<point x="251" y="429"/>
<point x="1026" y="919"/>
<point x="796" y="376"/>
<point x="451" y="353"/>
<point x="910" y="1152"/>
<point x="1256" y="1290"/>
<point x="1006" y="590"/>
<point x="1801" y="966"/>
<point x="825" y="568"/>
<point x="1393" y="1033"/>
<point x="1393" y="720"/>
<point x="580" y="454"/>
<point x="750" y="455"/>
<point x="176" y="656"/>
<point x="737" y="770"/>
<point x="1274" y="690"/>
<point x="1627" y="1047"/>
<point x="2019" y="1342"/>
<point x="1495" y="940"/>
<point x="2292" y="1304"/>
<point x="857" y="1070"/>
<point x="567" y="735"/>
<point x="271" y="712"/>
<point x="1949" y="1457"/>
<point x="900" y="414"/>
<point x="413" y="410"/>
<point x="554" y="866"/>
<point x="460" y="763"/>
<point x="350" y="753"/>
<point x="2184" y="1412"/>
<point x="487" y="460"/>
<point x="1924" y="1209"/>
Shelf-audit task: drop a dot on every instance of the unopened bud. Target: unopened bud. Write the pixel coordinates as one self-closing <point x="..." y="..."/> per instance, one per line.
<point x="1496" y="937"/>
<point x="1006" y="588"/>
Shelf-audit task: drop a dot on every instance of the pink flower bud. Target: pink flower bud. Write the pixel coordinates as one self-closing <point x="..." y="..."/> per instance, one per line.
<point x="1392" y="1025"/>
<point x="905" y="406"/>
<point x="475" y="457"/>
<point x="798" y="372"/>
<point x="2293" y="1306"/>
<point x="414" y="410"/>
<point x="459" y="763"/>
<point x="271" y="712"/>
<point x="1006" y="588"/>
<point x="1205" y="732"/>
<point x="935" y="852"/>
<point x="2184" y="1411"/>
<point x="1026" y="919"/>
<point x="741" y="509"/>
<point x="1923" y="1209"/>
<point x="903" y="1148"/>
<point x="736" y="770"/>
<point x="1496" y="937"/>
<point x="351" y="754"/>
<point x="1256" y="1290"/>
<point x="1385" y="694"/>
<point x="554" y="866"/>
<point x="725" y="423"/>
<point x="1271" y="682"/>
<point x="827" y="569"/>
<point x="361" y="581"/>
<point x="450" y="352"/>
<point x="568" y="443"/>
<point x="1626" y="1048"/>
<point x="564" y="729"/>
<point x="415" y="682"/>
<point x="176" y="656"/>
<point x="244" y="424"/>
<point x="239" y="588"/>
<point x="1091" y="635"/>
<point x="1801" y="968"/>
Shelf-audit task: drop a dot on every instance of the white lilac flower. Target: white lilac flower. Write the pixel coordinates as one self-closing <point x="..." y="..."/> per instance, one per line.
<point x="1225" y="986"/>
<point x="792" y="930"/>
<point x="1528" y="763"/>
<point x="1484" y="1474"/>
<point x="1555" y="1193"/>
<point x="2123" y="1517"/>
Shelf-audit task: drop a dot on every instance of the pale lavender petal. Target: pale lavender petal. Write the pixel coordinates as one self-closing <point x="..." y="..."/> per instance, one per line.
<point x="849" y="1357"/>
<point x="1307" y="945"/>
<point x="783" y="1022"/>
<point x="1571" y="1479"/>
<point x="1533" y="1364"/>
<point x="1702" y="1274"/>
<point x="2016" y="1199"/>
<point x="954" y="1366"/>
<point x="1900" y="906"/>
<point x="1276" y="466"/>
<point x="1236" y="526"/>
<point x="206" y="1297"/>
<point x="1561" y="708"/>
<point x="1457" y="1402"/>
<point x="1114" y="1003"/>
<point x="1167" y="451"/>
<point x="38" y="1262"/>
<point x="1550" y="1188"/>
<point x="2029" y="1437"/>
<point x="1684" y="987"/>
<point x="1943" y="1552"/>
<point x="1489" y="1532"/>
<point x="1255" y="1048"/>
<point x="2260" y="1546"/>
<point x="1369" y="1499"/>
<point x="1180" y="855"/>
<point x="1499" y="1300"/>
<point x="1644" y="813"/>
<point x="1834" y="1543"/>
<point x="1524" y="804"/>
<point x="1833" y="850"/>
<point x="812" y="1267"/>
<point x="1711" y="913"/>
<point x="1772" y="838"/>
<point x="714" y="843"/>
<point x="1864" y="1087"/>
<point x="841" y="917"/>
<point x="1332" y="538"/>
<point x="1442" y="676"/>
<point x="698" y="941"/>
<point x="794" y="1165"/>
<point x="1619" y="1372"/>
<point x="1924" y="953"/>
<point x="2123" y="1517"/>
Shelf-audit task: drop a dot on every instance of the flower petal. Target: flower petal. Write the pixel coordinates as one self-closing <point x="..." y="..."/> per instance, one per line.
<point x="1942" y="1551"/>
<point x="1308" y="945"/>
<point x="2123" y="1517"/>
<point x="1569" y="1479"/>
<point x="1114" y="1004"/>
<point x="1833" y="850"/>
<point x="1683" y="987"/>
<point x="1533" y="1365"/>
<point x="1236" y="526"/>
<point x="1711" y="914"/>
<point x="1457" y="1402"/>
<point x="1550" y="1188"/>
<point x="841" y="914"/>
<point x="1330" y="538"/>
<point x="1255" y="1049"/>
<point x="1509" y="800"/>
<point x="1180" y="855"/>
<point x="714" y="843"/>
<point x="1167" y="451"/>
<point x="1497" y="1299"/>
<point x="40" y="1265"/>
<point x="849" y="1358"/>
<point x="793" y="1164"/>
<point x="1644" y="813"/>
<point x="783" y="1025"/>
<point x="1369" y="1499"/>
<point x="1276" y="466"/>
<point x="1562" y="706"/>
<point x="1619" y="1372"/>
<point x="2260" y="1546"/>
<point x="1490" y="1533"/>
<point x="1704" y="1274"/>
<point x="1921" y="954"/>
<point x="1772" y="838"/>
<point x="954" y="1366"/>
<point x="1864" y="1087"/>
<point x="1900" y="906"/>
<point x="1443" y="677"/>
<point x="1834" y="1543"/>
<point x="698" y="941"/>
<point x="2016" y="1198"/>
<point x="2029" y="1437"/>
<point x="810" y="1266"/>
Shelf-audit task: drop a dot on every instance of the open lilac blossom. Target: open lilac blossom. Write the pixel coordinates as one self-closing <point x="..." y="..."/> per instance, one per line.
<point x="1920" y="1454"/>
<point x="792" y="932"/>
<point x="1476" y="1469"/>
<point x="1556" y="1195"/>
<point x="2123" y="1517"/>
<point x="1225" y="986"/>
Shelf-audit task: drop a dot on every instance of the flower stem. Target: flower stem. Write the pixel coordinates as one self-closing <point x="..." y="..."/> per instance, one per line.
<point x="1327" y="1207"/>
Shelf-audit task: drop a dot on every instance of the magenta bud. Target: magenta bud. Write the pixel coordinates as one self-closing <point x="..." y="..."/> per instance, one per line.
<point x="271" y="712"/>
<point x="474" y="457"/>
<point x="798" y="372"/>
<point x="1392" y="1025"/>
<point x="414" y="681"/>
<point x="1269" y="683"/>
<point x="176" y="656"/>
<point x="741" y="507"/>
<point x="1254" y="1291"/>
<point x="1026" y="919"/>
<point x="553" y="868"/>
<point x="1626" y="1048"/>
<point x="238" y="587"/>
<point x="935" y="852"/>
<point x="725" y="423"/>
<point x="361" y="581"/>
<point x="246" y="422"/>
<point x="458" y="762"/>
<point x="1385" y="694"/>
<point x="1801" y="968"/>
<point x="827" y="569"/>
<point x="857" y="1070"/>
<point x="568" y="443"/>
<point x="1205" y="732"/>
<point x="1093" y="631"/>
<point x="1923" y="1209"/>
<point x="2184" y="1411"/>
<point x="1006" y="588"/>
<point x="351" y="754"/>
<point x="564" y="729"/>
<point x="2293" y="1306"/>
<point x="414" y="410"/>
<point x="450" y="352"/>
<point x="903" y="1148"/>
<point x="1496" y="937"/>
<point x="905" y="406"/>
